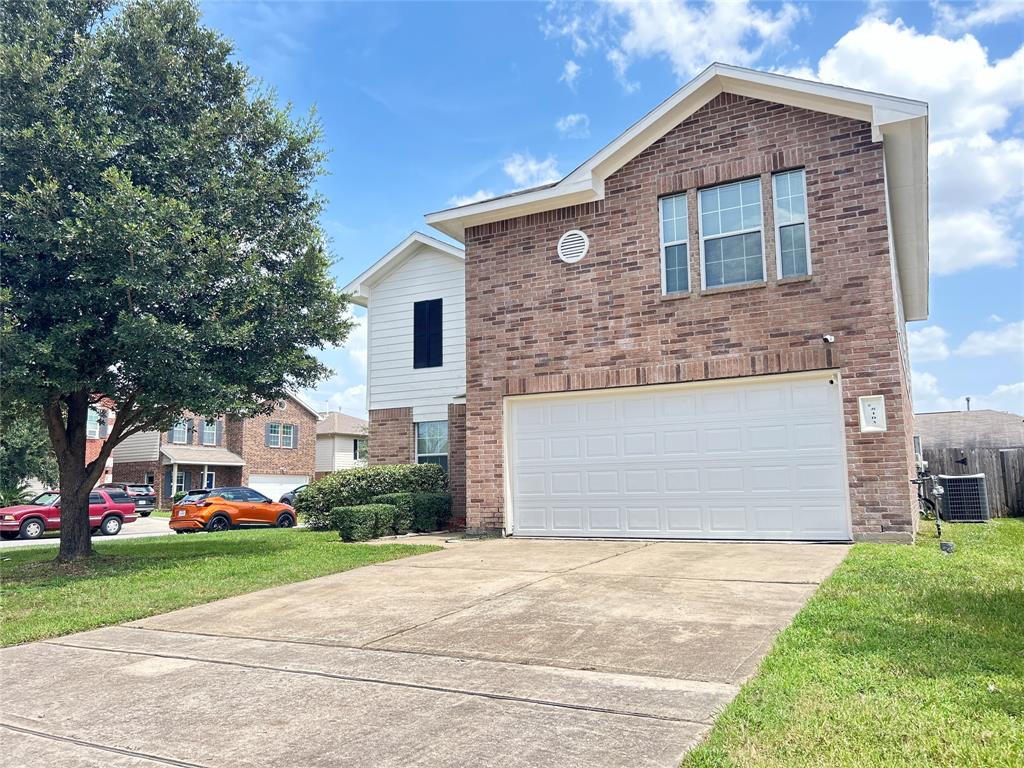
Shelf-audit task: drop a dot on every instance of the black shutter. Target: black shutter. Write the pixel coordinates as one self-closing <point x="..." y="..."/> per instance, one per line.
<point x="295" y="435"/>
<point x="202" y="432"/>
<point x="355" y="449"/>
<point x="188" y="432"/>
<point x="220" y="431"/>
<point x="266" y="435"/>
<point x="427" y="337"/>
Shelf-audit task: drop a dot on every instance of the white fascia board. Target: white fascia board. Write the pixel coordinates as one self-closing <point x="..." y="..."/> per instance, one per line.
<point x="586" y="183"/>
<point x="360" y="287"/>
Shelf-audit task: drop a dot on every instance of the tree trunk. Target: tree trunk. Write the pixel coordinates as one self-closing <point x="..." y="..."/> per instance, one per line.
<point x="67" y="427"/>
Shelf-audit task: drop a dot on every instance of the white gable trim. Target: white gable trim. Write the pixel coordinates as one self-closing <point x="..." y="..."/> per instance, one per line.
<point x="901" y="123"/>
<point x="360" y="287"/>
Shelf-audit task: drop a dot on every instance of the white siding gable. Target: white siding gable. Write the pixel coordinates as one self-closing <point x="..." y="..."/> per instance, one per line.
<point x="334" y="452"/>
<point x="392" y="382"/>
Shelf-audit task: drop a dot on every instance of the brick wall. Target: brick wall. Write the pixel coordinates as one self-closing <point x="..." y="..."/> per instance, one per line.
<point x="457" y="462"/>
<point x="261" y="459"/>
<point x="537" y="324"/>
<point x="391" y="436"/>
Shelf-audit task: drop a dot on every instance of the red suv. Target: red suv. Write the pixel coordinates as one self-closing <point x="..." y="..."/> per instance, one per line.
<point x="108" y="511"/>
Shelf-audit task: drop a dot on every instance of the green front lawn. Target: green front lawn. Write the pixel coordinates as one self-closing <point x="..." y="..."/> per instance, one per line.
<point x="904" y="657"/>
<point x="137" y="578"/>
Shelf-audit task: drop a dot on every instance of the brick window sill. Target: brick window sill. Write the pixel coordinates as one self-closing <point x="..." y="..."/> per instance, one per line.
<point x="734" y="287"/>
<point x="794" y="279"/>
<point x="675" y="296"/>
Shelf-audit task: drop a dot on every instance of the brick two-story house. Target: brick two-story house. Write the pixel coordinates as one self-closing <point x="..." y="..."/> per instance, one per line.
<point x="271" y="453"/>
<point x="700" y="332"/>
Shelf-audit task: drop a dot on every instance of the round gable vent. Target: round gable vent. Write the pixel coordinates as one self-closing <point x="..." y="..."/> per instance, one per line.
<point x="573" y="246"/>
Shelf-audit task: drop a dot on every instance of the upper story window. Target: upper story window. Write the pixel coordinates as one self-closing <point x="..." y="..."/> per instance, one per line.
<point x="210" y="429"/>
<point x="674" y="244"/>
<point x="432" y="443"/>
<point x="426" y="334"/>
<point x="92" y="425"/>
<point x="792" y="237"/>
<point x="730" y="231"/>
<point x="179" y="434"/>
<point x="280" y="435"/>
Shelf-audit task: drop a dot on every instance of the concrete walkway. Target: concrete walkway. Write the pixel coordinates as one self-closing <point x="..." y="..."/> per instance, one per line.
<point x="511" y="653"/>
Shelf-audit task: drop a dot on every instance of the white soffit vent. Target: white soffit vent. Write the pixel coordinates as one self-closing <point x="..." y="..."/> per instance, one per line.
<point x="573" y="246"/>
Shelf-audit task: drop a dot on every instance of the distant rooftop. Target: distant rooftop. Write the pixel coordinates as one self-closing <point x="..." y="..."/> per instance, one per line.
<point x="338" y="423"/>
<point x="970" y="429"/>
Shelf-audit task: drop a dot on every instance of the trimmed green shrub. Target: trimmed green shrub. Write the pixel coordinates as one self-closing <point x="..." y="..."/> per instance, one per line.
<point x="353" y="487"/>
<point x="363" y="521"/>
<point x="430" y="511"/>
<point x="402" y="502"/>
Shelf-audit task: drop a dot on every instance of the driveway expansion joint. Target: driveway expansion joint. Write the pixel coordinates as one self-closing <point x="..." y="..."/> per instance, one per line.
<point x="380" y="681"/>
<point x="103" y="747"/>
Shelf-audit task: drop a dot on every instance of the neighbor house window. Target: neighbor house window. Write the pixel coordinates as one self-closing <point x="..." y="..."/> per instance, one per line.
<point x="730" y="231"/>
<point x="674" y="250"/>
<point x="280" y="435"/>
<point x="179" y="482"/>
<point x="791" y="234"/>
<point x="287" y="436"/>
<point x="432" y="443"/>
<point x="180" y="432"/>
<point x="92" y="425"/>
<point x="426" y="334"/>
<point x="211" y="480"/>
<point x="359" y="451"/>
<point x="209" y="433"/>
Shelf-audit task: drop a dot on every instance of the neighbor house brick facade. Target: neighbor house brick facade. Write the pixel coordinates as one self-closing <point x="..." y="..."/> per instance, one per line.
<point x="699" y="332"/>
<point x="272" y="453"/>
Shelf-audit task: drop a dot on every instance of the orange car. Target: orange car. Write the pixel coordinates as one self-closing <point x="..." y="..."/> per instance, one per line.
<point x="221" y="509"/>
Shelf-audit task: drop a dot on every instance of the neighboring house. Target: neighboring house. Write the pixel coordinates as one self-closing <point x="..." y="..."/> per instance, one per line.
<point x="340" y="442"/>
<point x="416" y="357"/>
<point x="270" y="453"/>
<point x="969" y="429"/>
<point x="100" y="421"/>
<point x="698" y="333"/>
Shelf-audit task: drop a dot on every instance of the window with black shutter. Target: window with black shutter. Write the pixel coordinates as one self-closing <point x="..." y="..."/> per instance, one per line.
<point x="426" y="334"/>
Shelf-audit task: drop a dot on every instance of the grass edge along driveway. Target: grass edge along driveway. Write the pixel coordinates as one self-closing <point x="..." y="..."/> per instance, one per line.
<point x="133" y="579"/>
<point x="903" y="657"/>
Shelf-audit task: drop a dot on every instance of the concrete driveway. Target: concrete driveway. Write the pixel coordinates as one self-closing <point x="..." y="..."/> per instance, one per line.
<point x="508" y="653"/>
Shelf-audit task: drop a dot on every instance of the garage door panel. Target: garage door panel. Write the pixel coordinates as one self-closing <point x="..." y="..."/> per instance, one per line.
<point x="748" y="460"/>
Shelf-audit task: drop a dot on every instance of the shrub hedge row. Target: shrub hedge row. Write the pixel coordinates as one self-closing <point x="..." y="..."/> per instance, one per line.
<point x="359" y="486"/>
<point x="363" y="521"/>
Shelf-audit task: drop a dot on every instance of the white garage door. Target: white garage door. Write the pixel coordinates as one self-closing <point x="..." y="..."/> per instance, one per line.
<point x="275" y="486"/>
<point x="751" y="459"/>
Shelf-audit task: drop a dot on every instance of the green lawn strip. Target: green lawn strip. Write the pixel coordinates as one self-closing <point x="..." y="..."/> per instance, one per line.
<point x="160" y="513"/>
<point x="903" y="657"/>
<point x="142" y="577"/>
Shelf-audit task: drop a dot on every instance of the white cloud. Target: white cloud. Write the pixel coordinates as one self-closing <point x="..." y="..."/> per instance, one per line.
<point x="351" y="400"/>
<point x="689" y="35"/>
<point x="928" y="396"/>
<point x="527" y="171"/>
<point x="995" y="319"/>
<point x="574" y="126"/>
<point x="968" y="239"/>
<point x="476" y="197"/>
<point x="1009" y="339"/>
<point x="928" y="344"/>
<point x="963" y="16"/>
<point x="570" y="72"/>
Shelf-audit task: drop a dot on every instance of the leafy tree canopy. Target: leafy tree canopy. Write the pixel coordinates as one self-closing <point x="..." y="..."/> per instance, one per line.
<point x="160" y="237"/>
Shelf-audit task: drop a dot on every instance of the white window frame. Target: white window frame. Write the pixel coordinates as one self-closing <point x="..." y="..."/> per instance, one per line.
<point x="183" y="425"/>
<point x="92" y="424"/>
<point x="416" y="440"/>
<point x="179" y="481"/>
<point x="289" y="430"/>
<point x="720" y="235"/>
<point x="206" y="426"/>
<point x="210" y="481"/>
<point x="664" y="246"/>
<point x="779" y="226"/>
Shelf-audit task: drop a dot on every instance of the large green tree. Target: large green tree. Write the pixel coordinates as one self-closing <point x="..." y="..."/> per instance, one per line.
<point x="160" y="238"/>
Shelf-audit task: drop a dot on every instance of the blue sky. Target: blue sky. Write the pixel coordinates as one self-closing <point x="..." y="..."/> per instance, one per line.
<point x="427" y="104"/>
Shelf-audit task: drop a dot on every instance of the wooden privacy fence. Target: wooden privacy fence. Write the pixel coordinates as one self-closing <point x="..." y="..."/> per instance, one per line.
<point x="1003" y="469"/>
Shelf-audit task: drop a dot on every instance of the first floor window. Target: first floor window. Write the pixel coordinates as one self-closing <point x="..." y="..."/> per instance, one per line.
<point x="211" y="480"/>
<point x="791" y="232"/>
<point x="674" y="250"/>
<point x="150" y="478"/>
<point x="179" y="481"/>
<point x="359" y="450"/>
<point x="432" y="443"/>
<point x="730" y="230"/>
